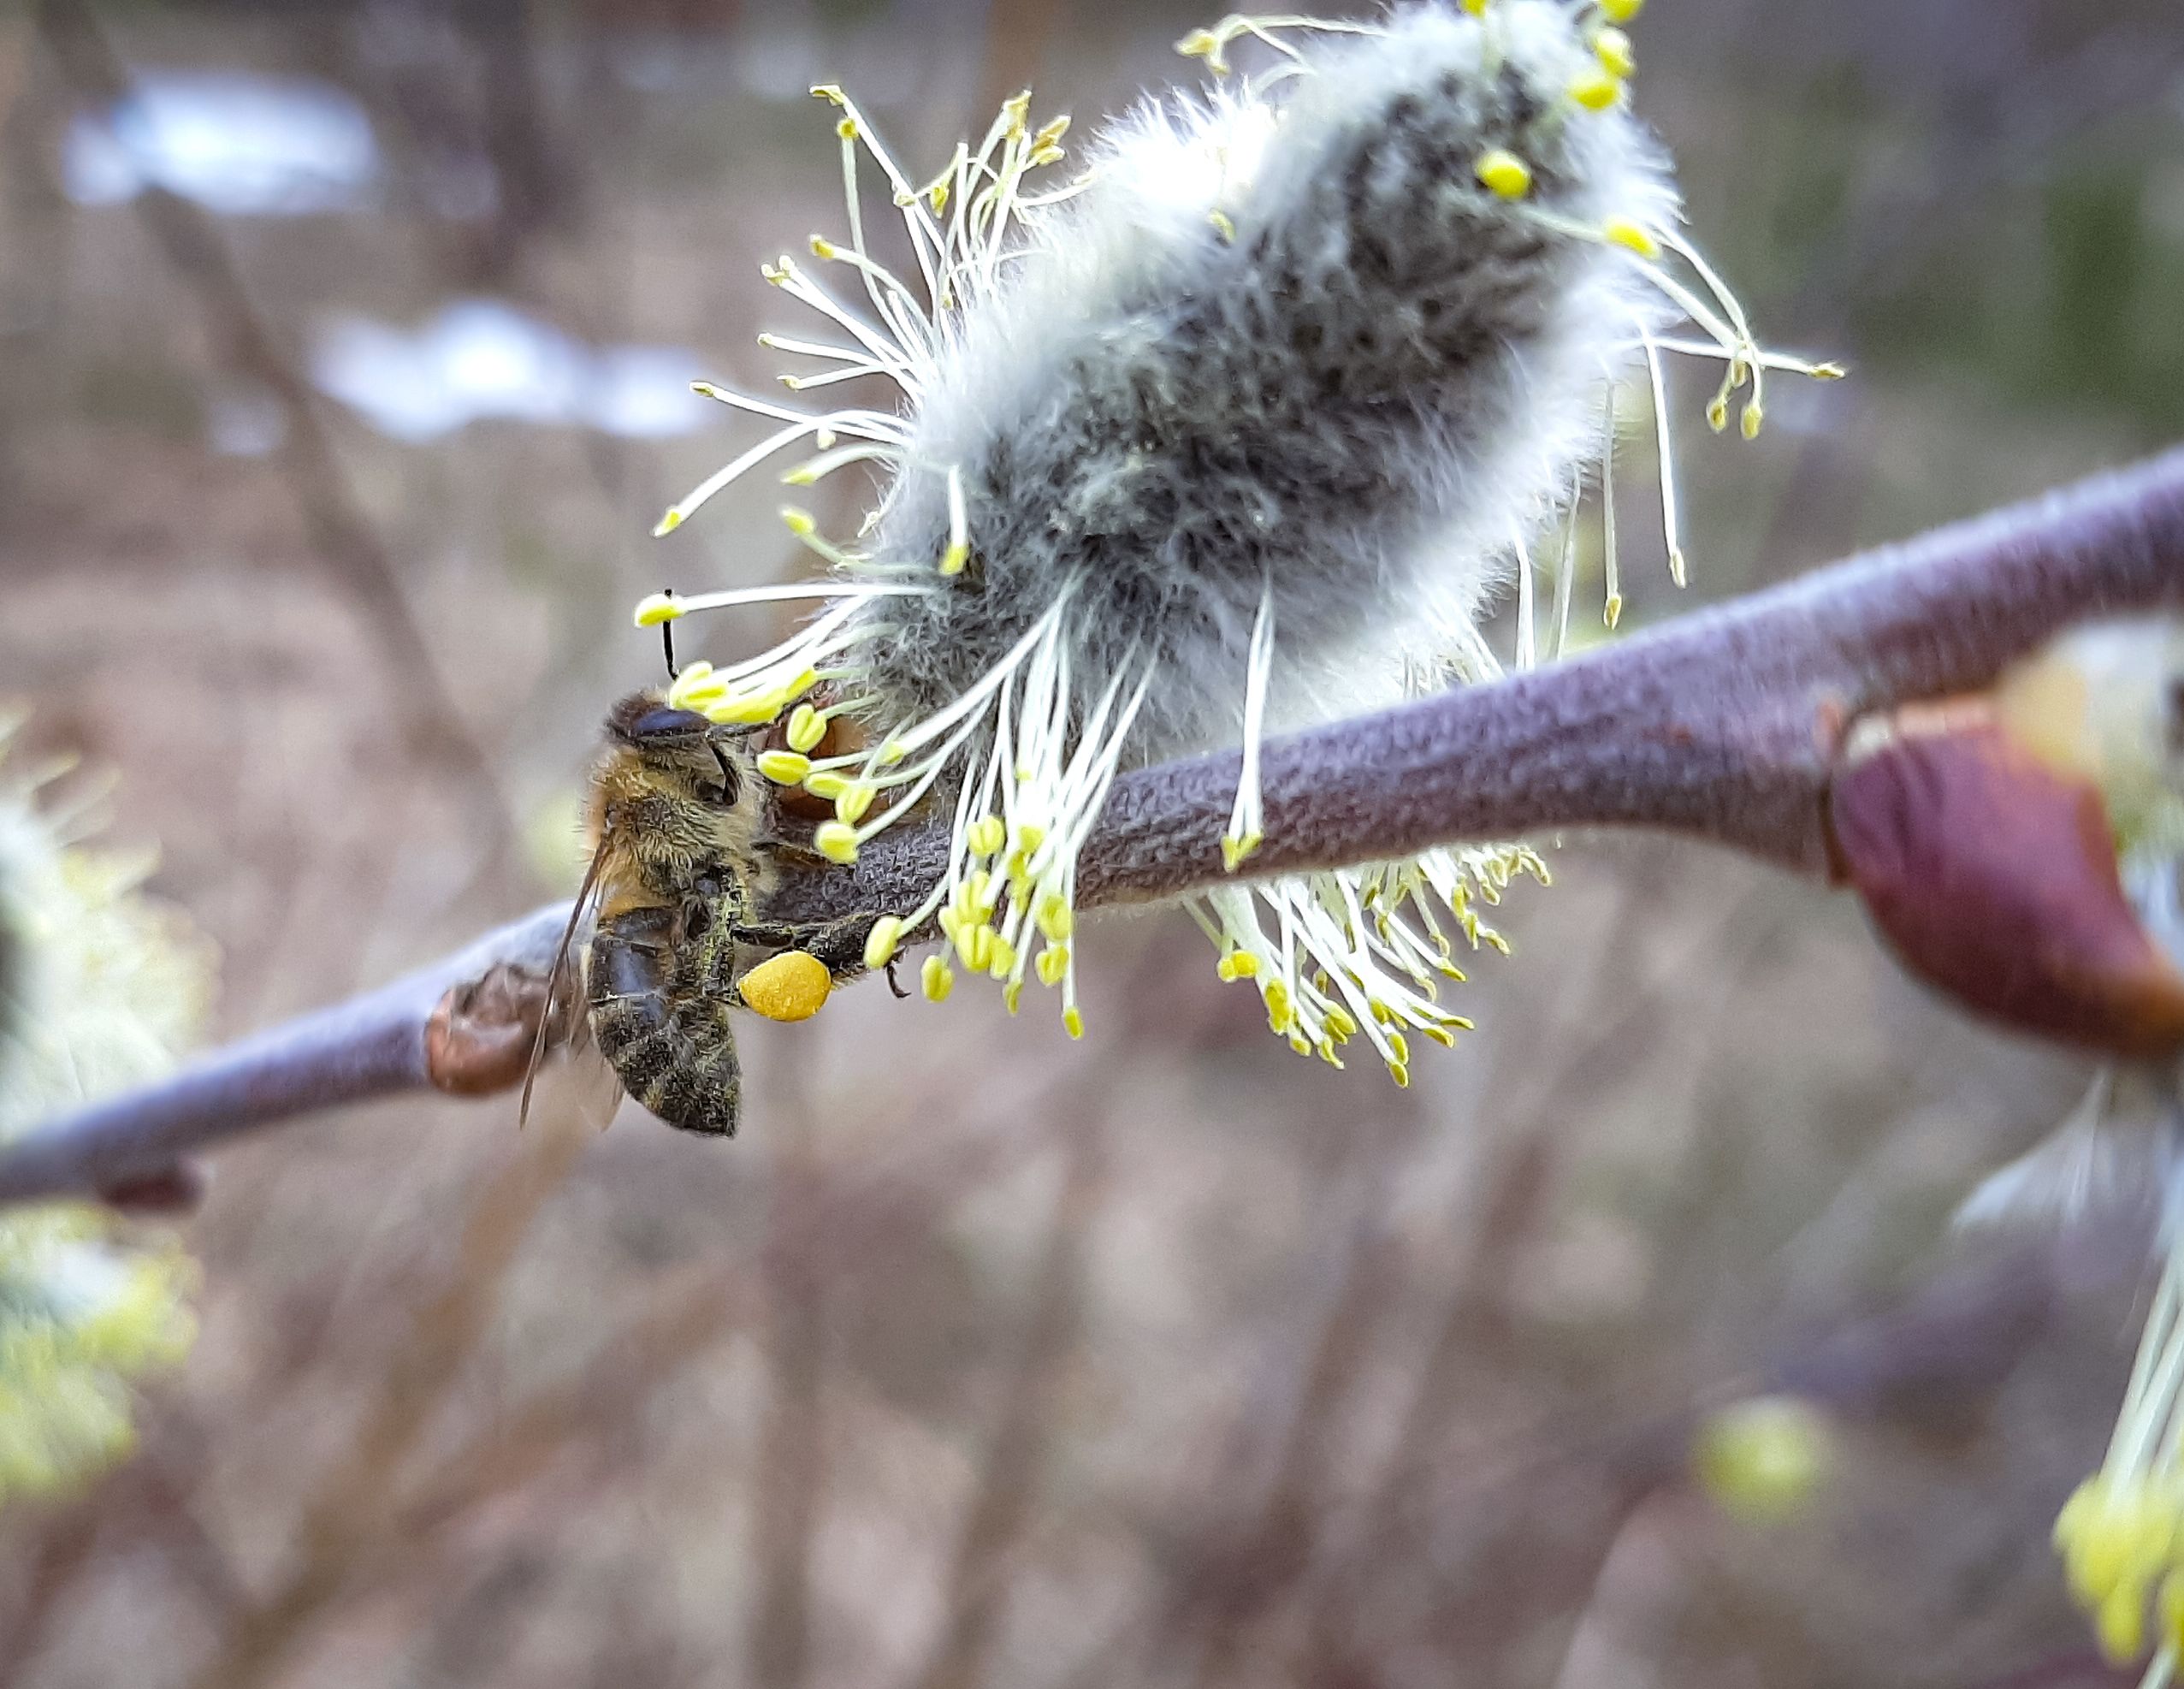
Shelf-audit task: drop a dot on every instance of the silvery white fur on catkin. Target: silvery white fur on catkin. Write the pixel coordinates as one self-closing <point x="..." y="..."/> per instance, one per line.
<point x="1362" y="400"/>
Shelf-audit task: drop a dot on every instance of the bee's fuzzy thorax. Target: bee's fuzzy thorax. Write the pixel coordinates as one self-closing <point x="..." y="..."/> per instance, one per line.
<point x="655" y="824"/>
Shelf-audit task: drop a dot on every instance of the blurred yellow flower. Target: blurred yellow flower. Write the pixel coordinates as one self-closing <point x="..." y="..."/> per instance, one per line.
<point x="100" y="987"/>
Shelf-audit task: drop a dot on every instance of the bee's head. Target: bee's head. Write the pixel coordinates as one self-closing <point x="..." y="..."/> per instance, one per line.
<point x="665" y="738"/>
<point x="648" y="725"/>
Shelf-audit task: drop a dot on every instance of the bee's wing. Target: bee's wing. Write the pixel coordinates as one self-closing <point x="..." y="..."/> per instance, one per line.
<point x="564" y="991"/>
<point x="587" y="1078"/>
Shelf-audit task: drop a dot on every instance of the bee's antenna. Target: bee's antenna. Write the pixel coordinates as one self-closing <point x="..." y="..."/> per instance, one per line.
<point x="667" y="645"/>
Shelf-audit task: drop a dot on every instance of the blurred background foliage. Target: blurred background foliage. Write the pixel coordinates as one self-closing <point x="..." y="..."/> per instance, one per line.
<point x="981" y="1358"/>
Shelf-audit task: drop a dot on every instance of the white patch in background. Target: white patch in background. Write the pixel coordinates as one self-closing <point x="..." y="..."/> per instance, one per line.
<point x="238" y="143"/>
<point x="482" y="358"/>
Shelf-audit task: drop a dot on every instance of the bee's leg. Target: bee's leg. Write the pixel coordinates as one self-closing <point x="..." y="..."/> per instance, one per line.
<point x="894" y="984"/>
<point x="840" y="943"/>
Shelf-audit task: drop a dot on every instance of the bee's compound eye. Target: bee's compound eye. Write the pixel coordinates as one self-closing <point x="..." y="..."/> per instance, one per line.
<point x="664" y="725"/>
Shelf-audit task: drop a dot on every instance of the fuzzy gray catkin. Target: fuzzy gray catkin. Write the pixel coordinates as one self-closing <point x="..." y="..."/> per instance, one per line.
<point x="1246" y="427"/>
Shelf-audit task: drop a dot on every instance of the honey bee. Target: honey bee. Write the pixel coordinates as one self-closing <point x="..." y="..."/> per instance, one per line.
<point x="682" y="864"/>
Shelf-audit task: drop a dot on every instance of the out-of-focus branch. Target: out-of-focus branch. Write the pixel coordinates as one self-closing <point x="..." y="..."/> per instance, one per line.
<point x="1724" y="725"/>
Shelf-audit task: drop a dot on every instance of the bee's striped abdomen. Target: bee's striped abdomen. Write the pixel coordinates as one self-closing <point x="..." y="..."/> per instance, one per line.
<point x="670" y="1043"/>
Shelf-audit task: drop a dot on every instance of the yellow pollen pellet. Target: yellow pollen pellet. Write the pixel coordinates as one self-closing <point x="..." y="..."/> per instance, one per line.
<point x="937" y="979"/>
<point x="836" y="842"/>
<point x="1629" y="235"/>
<point x="784" y="768"/>
<point x="807" y="727"/>
<point x="1613" y="47"/>
<point x="1596" y="91"/>
<point x="1505" y="173"/>
<point x="985" y="836"/>
<point x="1052" y="963"/>
<point x="880" y="943"/>
<point x="826" y="783"/>
<point x="856" y="799"/>
<point x="1073" y="1022"/>
<point x="659" y="606"/>
<point x="790" y="987"/>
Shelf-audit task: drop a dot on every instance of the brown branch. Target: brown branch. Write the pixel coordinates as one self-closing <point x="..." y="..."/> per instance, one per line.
<point x="1722" y="725"/>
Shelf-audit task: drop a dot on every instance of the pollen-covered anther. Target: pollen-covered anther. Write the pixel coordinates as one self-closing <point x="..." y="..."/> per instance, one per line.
<point x="1621" y="11"/>
<point x="656" y="607"/>
<point x="1237" y="964"/>
<point x="784" y="768"/>
<point x="1617" y="57"/>
<point x="855" y="800"/>
<point x="937" y="979"/>
<point x="1596" y="91"/>
<point x="1053" y="962"/>
<point x="882" y="942"/>
<point x="1752" y="420"/>
<point x="1505" y="173"/>
<point x="837" y="841"/>
<point x="985" y="836"/>
<point x="807" y="727"/>
<point x="1073" y="1022"/>
<point x="1631" y="236"/>
<point x="1235" y="847"/>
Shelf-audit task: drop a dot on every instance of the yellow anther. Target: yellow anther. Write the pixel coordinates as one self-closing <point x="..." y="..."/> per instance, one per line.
<point x="978" y="892"/>
<point x="1238" y="964"/>
<point x="1052" y="963"/>
<point x="1762" y="1459"/>
<point x="1046" y="155"/>
<point x="800" y="523"/>
<point x="1504" y="172"/>
<point x="1616" y="57"/>
<point x="836" y="841"/>
<point x="1223" y="225"/>
<point x="1050" y="131"/>
<point x="1326" y="1048"/>
<point x="854" y="799"/>
<point x="953" y="559"/>
<point x="1001" y="960"/>
<point x="656" y="607"/>
<point x="1297" y="1042"/>
<point x="880" y="943"/>
<point x="1341" y="1026"/>
<point x="745" y="710"/>
<point x="1622" y="11"/>
<point x="1235" y="847"/>
<point x="784" y="768"/>
<point x="829" y="91"/>
<point x="1400" y="1074"/>
<point x="847" y="129"/>
<point x="937" y="978"/>
<point x="1753" y="418"/>
<point x="1441" y="1035"/>
<point x="1596" y="91"/>
<point x="938" y="199"/>
<point x="1629" y="235"/>
<point x="1475" y="8"/>
<point x="1717" y="415"/>
<point x="666" y="525"/>
<point x="1057" y="920"/>
<point x="777" y="273"/>
<point x="1203" y="43"/>
<point x="1028" y="838"/>
<point x="1073" y="1022"/>
<point x="1828" y="372"/>
<point x="1012" y="994"/>
<point x="801" y="475"/>
<point x="807" y="727"/>
<point x="790" y="987"/>
<point x="1610" y="612"/>
<point x="985" y="836"/>
<point x="891" y="753"/>
<point x="822" y="247"/>
<point x="1401" y="1047"/>
<point x="826" y="783"/>
<point x="696" y="681"/>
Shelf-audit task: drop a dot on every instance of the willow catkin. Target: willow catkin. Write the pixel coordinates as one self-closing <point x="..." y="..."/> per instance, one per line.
<point x="1246" y="427"/>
